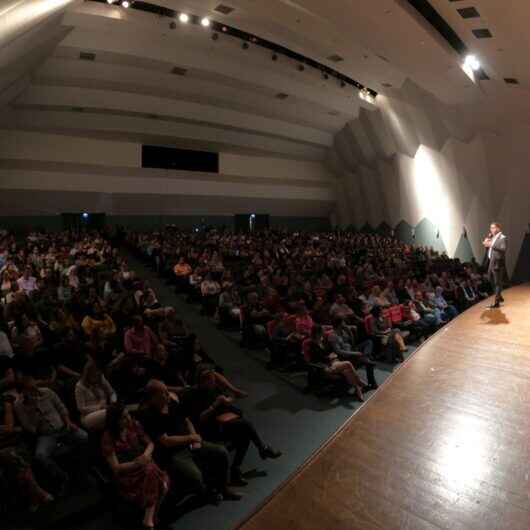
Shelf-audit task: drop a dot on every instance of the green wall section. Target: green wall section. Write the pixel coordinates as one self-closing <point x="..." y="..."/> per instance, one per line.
<point x="384" y="229"/>
<point x="427" y="235"/>
<point x="403" y="232"/>
<point x="464" y="252"/>
<point x="22" y="224"/>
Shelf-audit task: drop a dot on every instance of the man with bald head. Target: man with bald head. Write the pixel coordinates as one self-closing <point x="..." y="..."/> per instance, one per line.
<point x="196" y="466"/>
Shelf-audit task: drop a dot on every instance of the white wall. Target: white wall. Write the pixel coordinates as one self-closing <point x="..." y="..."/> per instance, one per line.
<point x="60" y="148"/>
<point x="270" y="167"/>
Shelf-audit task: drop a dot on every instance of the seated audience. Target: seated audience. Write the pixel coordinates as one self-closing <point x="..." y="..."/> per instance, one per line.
<point x="197" y="466"/>
<point x="44" y="417"/>
<point x="98" y="321"/>
<point x="129" y="454"/>
<point x="320" y="352"/>
<point x="342" y="343"/>
<point x="67" y="303"/>
<point x="93" y="396"/>
<point x="217" y="419"/>
<point x="140" y="339"/>
<point x="229" y="304"/>
<point x="27" y="282"/>
<point x="448" y="311"/>
<point x="256" y="317"/>
<point x="210" y="290"/>
<point x="387" y="334"/>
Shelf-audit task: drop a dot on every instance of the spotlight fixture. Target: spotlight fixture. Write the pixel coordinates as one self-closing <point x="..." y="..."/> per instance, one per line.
<point x="184" y="18"/>
<point x="325" y="75"/>
<point x="472" y="62"/>
<point x="215" y="36"/>
<point x="342" y="84"/>
<point x="366" y="95"/>
<point x="301" y="67"/>
<point x="125" y="4"/>
<point x="110" y="2"/>
<point x="224" y="29"/>
<point x="172" y="25"/>
<point x="205" y="22"/>
<point x="274" y="57"/>
<point x="245" y="46"/>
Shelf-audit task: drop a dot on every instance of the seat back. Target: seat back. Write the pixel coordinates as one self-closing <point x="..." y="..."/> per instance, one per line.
<point x="396" y="313"/>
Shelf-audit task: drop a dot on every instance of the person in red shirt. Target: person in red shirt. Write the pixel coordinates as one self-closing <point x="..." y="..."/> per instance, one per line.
<point x="303" y="321"/>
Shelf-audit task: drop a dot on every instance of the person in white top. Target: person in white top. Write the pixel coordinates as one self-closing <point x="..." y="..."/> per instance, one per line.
<point x="27" y="282"/>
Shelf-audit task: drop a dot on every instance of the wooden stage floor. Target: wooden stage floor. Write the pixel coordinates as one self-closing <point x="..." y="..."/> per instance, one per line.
<point x="443" y="444"/>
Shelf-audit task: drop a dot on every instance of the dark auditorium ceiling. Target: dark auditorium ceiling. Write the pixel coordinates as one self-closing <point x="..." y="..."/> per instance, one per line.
<point x="123" y="73"/>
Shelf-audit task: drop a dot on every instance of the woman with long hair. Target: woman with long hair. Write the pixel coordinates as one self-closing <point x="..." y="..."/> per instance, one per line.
<point x="128" y="451"/>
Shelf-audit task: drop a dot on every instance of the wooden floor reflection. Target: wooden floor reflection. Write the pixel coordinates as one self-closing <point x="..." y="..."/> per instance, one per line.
<point x="445" y="443"/>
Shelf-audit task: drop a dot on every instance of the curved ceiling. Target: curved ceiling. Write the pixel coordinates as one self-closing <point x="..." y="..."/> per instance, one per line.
<point x="112" y="72"/>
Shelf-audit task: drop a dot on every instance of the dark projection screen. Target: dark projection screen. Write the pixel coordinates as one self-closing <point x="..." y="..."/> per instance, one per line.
<point x="183" y="159"/>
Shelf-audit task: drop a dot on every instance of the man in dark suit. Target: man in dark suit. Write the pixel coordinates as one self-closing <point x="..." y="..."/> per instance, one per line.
<point x="496" y="245"/>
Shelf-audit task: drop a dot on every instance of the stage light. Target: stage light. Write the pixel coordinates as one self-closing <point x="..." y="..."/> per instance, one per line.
<point x="301" y="67"/>
<point x="366" y="95"/>
<point x="125" y="4"/>
<point x="472" y="62"/>
<point x="245" y="46"/>
<point x="84" y="215"/>
<point x="110" y="1"/>
<point x="342" y="84"/>
<point x="274" y="57"/>
<point x="205" y="22"/>
<point x="184" y="18"/>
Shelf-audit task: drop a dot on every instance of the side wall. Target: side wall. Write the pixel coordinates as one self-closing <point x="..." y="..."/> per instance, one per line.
<point x="409" y="163"/>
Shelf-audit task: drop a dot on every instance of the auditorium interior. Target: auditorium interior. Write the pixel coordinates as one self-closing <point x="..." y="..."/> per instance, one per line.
<point x="264" y="264"/>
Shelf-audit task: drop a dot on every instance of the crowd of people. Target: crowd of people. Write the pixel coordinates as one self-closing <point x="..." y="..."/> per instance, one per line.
<point x="337" y="301"/>
<point x="98" y="378"/>
<point x="96" y="374"/>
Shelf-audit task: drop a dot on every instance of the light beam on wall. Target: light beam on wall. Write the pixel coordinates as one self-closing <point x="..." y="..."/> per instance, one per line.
<point x="432" y="199"/>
